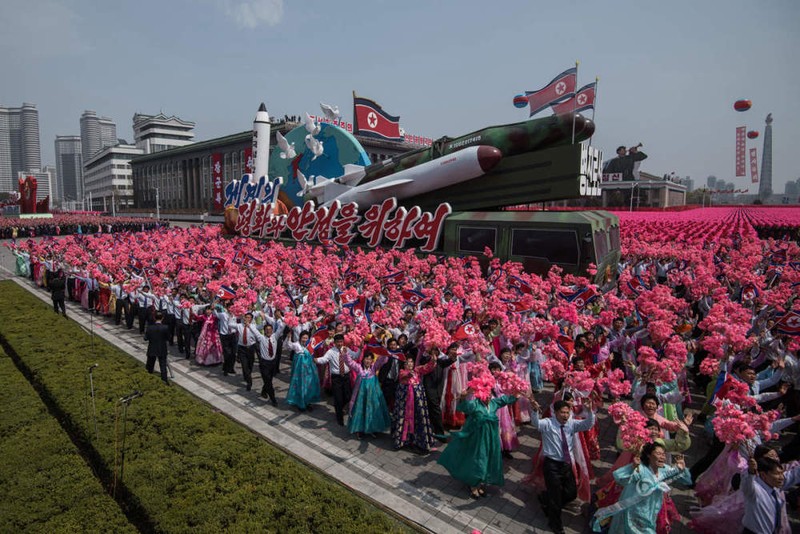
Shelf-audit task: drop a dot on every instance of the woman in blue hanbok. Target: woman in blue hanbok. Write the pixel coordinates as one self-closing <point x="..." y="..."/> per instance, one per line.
<point x="368" y="411"/>
<point x="304" y="385"/>
<point x="645" y="482"/>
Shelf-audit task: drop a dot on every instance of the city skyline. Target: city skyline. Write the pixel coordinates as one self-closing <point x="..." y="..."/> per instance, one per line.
<point x="669" y="74"/>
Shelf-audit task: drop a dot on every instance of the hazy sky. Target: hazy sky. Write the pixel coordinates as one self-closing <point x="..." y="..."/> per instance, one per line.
<point x="669" y="71"/>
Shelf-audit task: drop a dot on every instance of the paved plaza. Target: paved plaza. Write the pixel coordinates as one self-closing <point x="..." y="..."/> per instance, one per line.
<point x="410" y="485"/>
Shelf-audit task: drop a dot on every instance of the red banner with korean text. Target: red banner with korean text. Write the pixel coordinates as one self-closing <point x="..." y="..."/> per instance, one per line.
<point x="383" y="224"/>
<point x="754" y="165"/>
<point x="740" y="151"/>
<point x="248" y="161"/>
<point x="216" y="182"/>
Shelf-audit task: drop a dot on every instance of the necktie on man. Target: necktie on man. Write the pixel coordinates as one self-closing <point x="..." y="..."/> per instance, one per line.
<point x="778" y="518"/>
<point x="244" y="336"/>
<point x="342" y="364"/>
<point x="269" y="345"/>
<point x="565" y="446"/>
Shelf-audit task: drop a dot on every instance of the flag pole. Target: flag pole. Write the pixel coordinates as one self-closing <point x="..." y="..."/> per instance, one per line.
<point x="594" y="104"/>
<point x="573" y="104"/>
<point x="355" y="117"/>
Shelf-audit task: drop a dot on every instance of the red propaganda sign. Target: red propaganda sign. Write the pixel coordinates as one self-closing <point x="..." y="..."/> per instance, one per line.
<point x="339" y="224"/>
<point x="754" y="165"/>
<point x="248" y="161"/>
<point x="740" y="149"/>
<point x="216" y="181"/>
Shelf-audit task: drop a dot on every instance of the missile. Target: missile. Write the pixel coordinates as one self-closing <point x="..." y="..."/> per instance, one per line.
<point x="261" y="133"/>
<point x="454" y="168"/>
<point x="510" y="139"/>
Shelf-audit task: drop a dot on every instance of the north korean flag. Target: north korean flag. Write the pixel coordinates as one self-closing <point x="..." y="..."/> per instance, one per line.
<point x="150" y="272"/>
<point x="561" y="88"/>
<point x="515" y="306"/>
<point x="749" y="292"/>
<point x="226" y="293"/>
<point x="316" y="340"/>
<point x="465" y="331"/>
<point x="217" y="263"/>
<point x="789" y="323"/>
<point x="250" y="261"/>
<point x="358" y="308"/>
<point x="413" y="298"/>
<point x="519" y="284"/>
<point x="583" y="100"/>
<point x="372" y="121"/>
<point x="377" y="349"/>
<point x="351" y="278"/>
<point x="583" y="297"/>
<point x="637" y="285"/>
<point x="238" y="258"/>
<point x="395" y="278"/>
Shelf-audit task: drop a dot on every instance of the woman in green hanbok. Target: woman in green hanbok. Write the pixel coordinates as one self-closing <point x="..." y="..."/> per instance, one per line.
<point x="645" y="482"/>
<point x="473" y="455"/>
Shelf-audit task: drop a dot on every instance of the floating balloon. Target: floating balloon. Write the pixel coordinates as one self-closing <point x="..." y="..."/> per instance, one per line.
<point x="752" y="134"/>
<point x="520" y="101"/>
<point x="742" y="105"/>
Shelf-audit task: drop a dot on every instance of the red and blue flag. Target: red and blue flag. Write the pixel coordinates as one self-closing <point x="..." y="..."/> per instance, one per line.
<point x="560" y="88"/>
<point x="372" y="121"/>
<point x="582" y="101"/>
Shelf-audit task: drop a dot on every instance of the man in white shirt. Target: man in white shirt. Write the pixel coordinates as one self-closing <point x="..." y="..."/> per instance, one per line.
<point x="227" y="336"/>
<point x="247" y="337"/>
<point x="268" y="361"/>
<point x="340" y="376"/>
<point x="147" y="304"/>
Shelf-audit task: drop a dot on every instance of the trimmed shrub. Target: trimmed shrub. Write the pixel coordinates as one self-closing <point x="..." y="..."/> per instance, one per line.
<point x="186" y="467"/>
<point x="45" y="486"/>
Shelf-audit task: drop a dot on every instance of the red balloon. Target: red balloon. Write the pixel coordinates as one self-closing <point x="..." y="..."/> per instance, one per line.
<point x="752" y="134"/>
<point x="742" y="105"/>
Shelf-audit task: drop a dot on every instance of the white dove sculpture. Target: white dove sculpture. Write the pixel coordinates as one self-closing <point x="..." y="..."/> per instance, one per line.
<point x="287" y="150"/>
<point x="311" y="126"/>
<point x="330" y="112"/>
<point x="314" y="145"/>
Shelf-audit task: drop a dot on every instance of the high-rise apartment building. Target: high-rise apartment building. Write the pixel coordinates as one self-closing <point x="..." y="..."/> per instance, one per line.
<point x="19" y="143"/>
<point x="69" y="167"/>
<point x="97" y="133"/>
<point x="154" y="133"/>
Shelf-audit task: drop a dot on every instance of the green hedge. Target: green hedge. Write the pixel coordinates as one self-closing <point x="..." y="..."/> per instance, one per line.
<point x="187" y="468"/>
<point x="45" y="486"/>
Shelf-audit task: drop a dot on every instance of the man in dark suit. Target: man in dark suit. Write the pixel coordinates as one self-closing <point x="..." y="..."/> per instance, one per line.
<point x="157" y="336"/>
<point x="57" y="285"/>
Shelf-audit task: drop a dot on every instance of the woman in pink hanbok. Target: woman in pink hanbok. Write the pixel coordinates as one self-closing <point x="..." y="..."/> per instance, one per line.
<point x="508" y="430"/>
<point x="455" y="381"/>
<point x="209" y="346"/>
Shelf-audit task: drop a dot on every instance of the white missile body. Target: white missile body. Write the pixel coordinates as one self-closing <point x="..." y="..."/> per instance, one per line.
<point x="447" y="170"/>
<point x="261" y="134"/>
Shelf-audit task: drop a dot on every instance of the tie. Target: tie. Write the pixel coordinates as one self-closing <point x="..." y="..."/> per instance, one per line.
<point x="777" y="510"/>
<point x="270" y="349"/>
<point x="565" y="446"/>
<point x="342" y="364"/>
<point x="244" y="336"/>
<point x="146" y="300"/>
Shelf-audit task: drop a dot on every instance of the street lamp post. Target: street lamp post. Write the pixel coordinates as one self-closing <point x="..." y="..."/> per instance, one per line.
<point x="634" y="186"/>
<point x="158" y="209"/>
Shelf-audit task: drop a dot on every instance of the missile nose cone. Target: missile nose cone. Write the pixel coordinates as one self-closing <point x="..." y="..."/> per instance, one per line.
<point x="262" y="107"/>
<point x="488" y="157"/>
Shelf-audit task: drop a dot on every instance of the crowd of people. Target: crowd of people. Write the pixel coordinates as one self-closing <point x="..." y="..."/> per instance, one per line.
<point x="67" y="224"/>
<point x="433" y="349"/>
